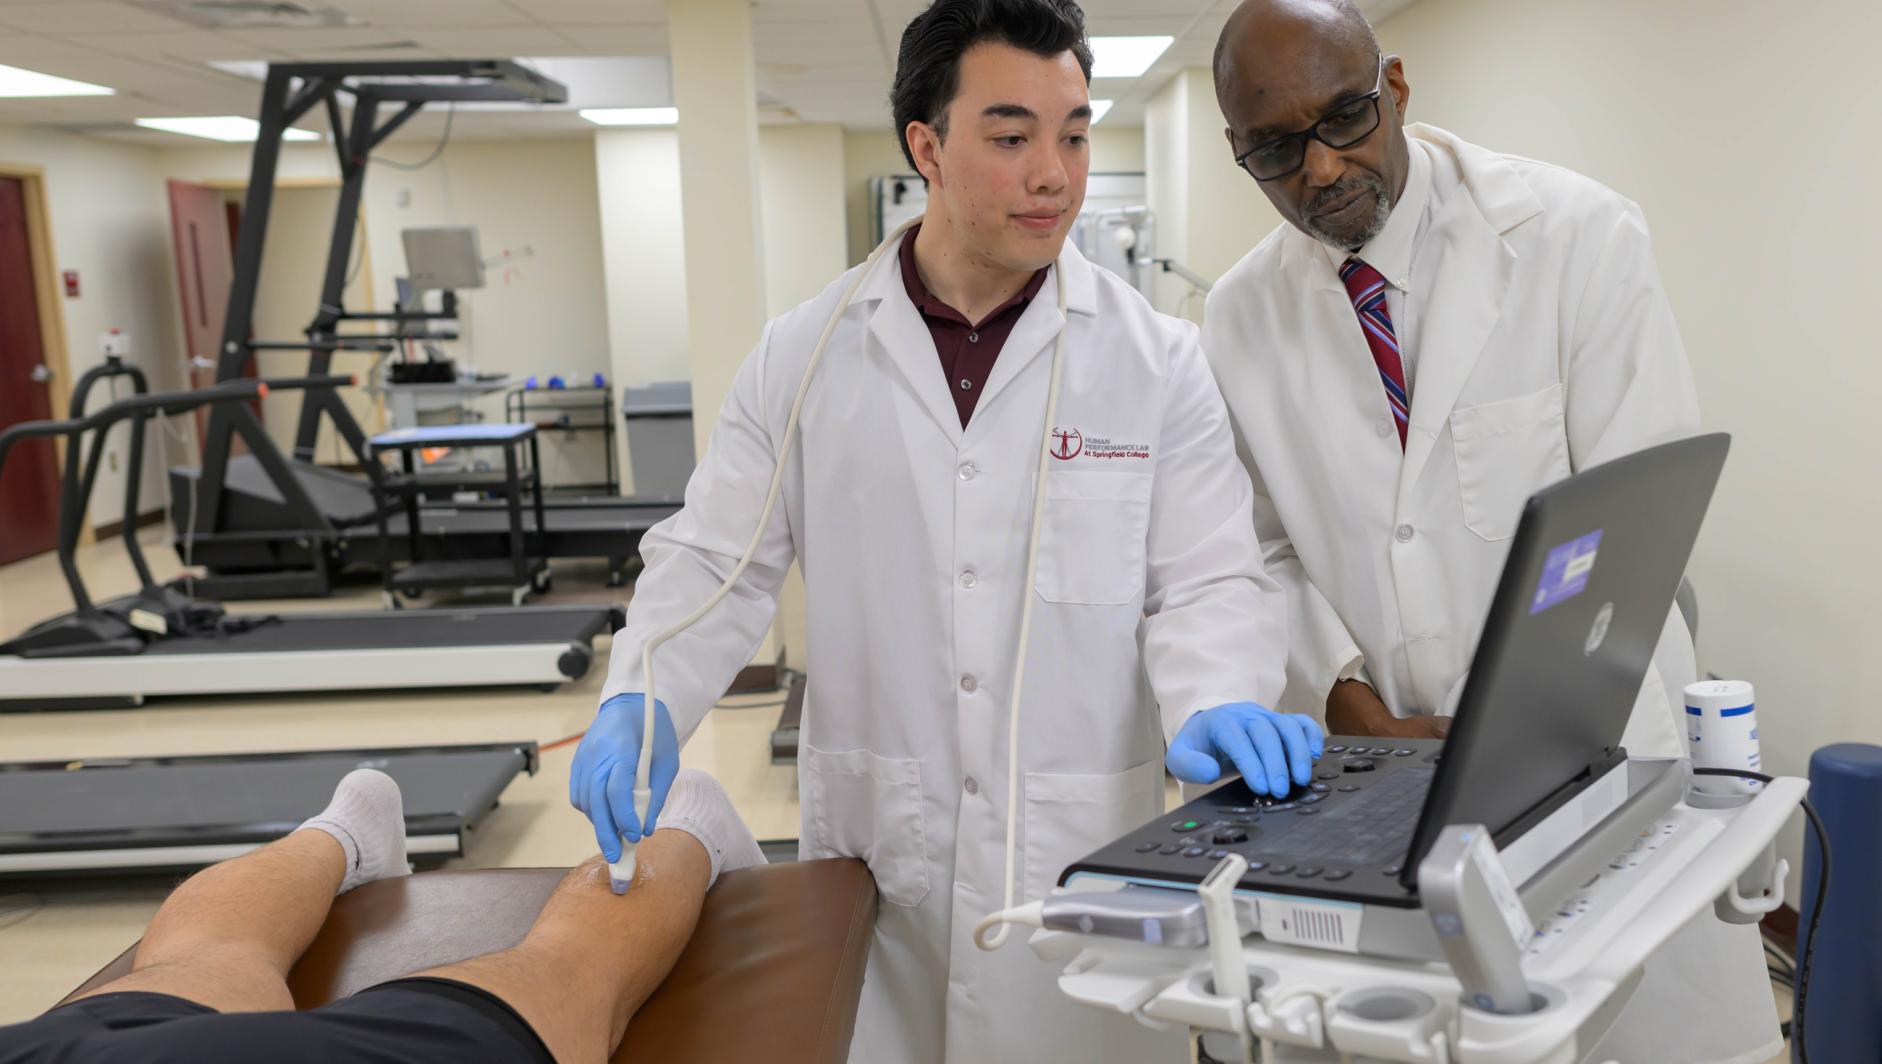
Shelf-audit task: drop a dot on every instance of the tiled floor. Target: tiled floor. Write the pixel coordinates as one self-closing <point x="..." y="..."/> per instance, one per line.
<point x="55" y="933"/>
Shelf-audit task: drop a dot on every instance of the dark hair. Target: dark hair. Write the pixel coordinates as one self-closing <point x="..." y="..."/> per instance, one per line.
<point x="928" y="67"/>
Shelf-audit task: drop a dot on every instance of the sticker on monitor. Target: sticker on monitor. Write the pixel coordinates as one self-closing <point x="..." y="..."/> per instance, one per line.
<point x="1565" y="573"/>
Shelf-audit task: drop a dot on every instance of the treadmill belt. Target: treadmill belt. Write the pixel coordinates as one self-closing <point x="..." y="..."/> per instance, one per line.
<point x="236" y="798"/>
<point x="402" y="629"/>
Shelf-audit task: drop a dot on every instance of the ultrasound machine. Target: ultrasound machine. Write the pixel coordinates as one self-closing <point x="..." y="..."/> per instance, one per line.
<point x="1488" y="897"/>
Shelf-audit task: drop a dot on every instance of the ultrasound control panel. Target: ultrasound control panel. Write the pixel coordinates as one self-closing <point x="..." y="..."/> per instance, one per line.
<point x="1344" y="834"/>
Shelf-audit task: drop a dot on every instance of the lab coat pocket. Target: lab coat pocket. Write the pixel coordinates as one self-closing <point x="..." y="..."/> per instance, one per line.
<point x="1505" y="452"/>
<point x="1091" y="541"/>
<point x="1067" y="817"/>
<point x="868" y="806"/>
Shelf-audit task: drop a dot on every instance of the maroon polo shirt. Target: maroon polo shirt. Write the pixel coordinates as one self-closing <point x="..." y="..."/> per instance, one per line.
<point x="967" y="350"/>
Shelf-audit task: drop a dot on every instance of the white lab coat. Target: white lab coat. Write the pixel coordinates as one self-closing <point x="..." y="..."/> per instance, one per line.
<point x="912" y="533"/>
<point x="1544" y="344"/>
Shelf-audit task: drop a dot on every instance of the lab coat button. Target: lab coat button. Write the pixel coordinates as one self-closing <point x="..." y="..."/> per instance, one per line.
<point x="972" y="786"/>
<point x="968" y="579"/>
<point x="973" y="337"/>
<point x="967" y="471"/>
<point x="966" y="385"/>
<point x="1404" y="533"/>
<point x="1383" y="427"/>
<point x="969" y="684"/>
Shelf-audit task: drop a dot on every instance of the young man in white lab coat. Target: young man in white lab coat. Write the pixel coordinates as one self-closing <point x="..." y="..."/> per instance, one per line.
<point x="1436" y="332"/>
<point x="908" y="499"/>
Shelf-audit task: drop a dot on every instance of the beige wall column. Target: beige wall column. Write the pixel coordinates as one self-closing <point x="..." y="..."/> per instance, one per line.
<point x="715" y="88"/>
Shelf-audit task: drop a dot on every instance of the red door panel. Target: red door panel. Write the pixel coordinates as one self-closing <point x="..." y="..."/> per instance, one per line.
<point x="205" y="266"/>
<point x="29" y="482"/>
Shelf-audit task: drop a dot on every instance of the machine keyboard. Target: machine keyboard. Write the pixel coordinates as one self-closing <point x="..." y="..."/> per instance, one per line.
<point x="1342" y="834"/>
<point x="1370" y="826"/>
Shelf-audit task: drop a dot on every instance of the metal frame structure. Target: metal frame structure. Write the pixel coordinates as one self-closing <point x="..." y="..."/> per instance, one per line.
<point x="289" y="92"/>
<point x="162" y="641"/>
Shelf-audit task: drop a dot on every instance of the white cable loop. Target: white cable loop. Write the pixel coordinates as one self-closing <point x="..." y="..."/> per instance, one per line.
<point x="998" y="938"/>
<point x="644" y="765"/>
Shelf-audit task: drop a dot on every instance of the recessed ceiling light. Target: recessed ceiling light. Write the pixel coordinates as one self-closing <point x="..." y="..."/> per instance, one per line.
<point x="632" y="116"/>
<point x="1125" y="57"/>
<point x="1099" y="108"/>
<point x="15" y="82"/>
<point x="231" y="128"/>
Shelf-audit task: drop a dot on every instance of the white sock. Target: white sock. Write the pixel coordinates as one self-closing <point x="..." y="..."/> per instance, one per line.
<point x="367" y="818"/>
<point x="698" y="806"/>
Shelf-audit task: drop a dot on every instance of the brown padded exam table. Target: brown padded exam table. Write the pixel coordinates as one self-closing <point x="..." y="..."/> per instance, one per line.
<point x="774" y="970"/>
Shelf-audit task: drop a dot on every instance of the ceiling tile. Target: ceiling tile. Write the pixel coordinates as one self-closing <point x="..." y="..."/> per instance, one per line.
<point x="43" y="53"/>
<point x="765" y="12"/>
<point x="1100" y="9"/>
<point x="816" y="57"/>
<point x="594" y="12"/>
<point x="197" y="46"/>
<point x="306" y="41"/>
<point x="498" y="42"/>
<point x="451" y="14"/>
<point x="850" y="31"/>
<point x="615" y="39"/>
<point x="81" y="17"/>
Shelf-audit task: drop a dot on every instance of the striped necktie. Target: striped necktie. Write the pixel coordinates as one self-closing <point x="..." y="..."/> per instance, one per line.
<point x="1366" y="286"/>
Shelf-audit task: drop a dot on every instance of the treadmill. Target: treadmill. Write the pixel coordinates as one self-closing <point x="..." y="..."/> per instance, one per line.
<point x="162" y="814"/>
<point x="161" y="641"/>
<point x="269" y="525"/>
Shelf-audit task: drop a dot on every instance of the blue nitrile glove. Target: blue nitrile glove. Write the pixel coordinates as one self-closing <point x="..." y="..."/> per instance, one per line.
<point x="601" y="781"/>
<point x="1264" y="746"/>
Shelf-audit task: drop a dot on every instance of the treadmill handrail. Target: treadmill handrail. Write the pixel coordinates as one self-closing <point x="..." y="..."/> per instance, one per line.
<point x="112" y="366"/>
<point x="75" y="492"/>
<point x="165" y="402"/>
<point x="146" y="402"/>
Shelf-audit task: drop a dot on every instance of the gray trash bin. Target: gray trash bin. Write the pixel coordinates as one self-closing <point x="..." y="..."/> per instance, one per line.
<point x="659" y="420"/>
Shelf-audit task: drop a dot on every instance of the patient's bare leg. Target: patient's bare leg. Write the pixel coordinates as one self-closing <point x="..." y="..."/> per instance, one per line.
<point x="593" y="956"/>
<point x="227" y="937"/>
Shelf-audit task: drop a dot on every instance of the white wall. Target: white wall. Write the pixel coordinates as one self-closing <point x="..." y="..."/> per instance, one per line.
<point x="638" y="179"/>
<point x="801" y="206"/>
<point x="110" y="222"/>
<point x="639" y="182"/>
<point x="1744" y="131"/>
<point x="1209" y="211"/>
<point x="867" y="155"/>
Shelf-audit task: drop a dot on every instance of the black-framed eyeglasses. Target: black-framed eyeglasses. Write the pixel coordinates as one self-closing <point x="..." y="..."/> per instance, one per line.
<point x="1342" y="127"/>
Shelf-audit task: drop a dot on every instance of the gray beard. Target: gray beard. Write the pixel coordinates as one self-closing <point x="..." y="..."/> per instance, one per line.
<point x="1381" y="213"/>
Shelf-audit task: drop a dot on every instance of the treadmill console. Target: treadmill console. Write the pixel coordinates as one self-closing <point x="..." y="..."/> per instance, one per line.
<point x="1343" y="835"/>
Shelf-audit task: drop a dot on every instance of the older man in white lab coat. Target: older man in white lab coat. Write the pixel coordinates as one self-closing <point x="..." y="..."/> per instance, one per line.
<point x="1437" y="332"/>
<point x="909" y="500"/>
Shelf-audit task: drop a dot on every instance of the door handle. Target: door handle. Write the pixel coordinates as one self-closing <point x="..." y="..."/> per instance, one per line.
<point x="40" y="374"/>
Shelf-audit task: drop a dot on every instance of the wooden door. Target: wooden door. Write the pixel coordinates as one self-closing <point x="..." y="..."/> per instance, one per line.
<point x="205" y="267"/>
<point x="29" y="482"/>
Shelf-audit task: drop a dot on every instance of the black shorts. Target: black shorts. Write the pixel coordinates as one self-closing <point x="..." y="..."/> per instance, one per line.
<point x="406" y="1021"/>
